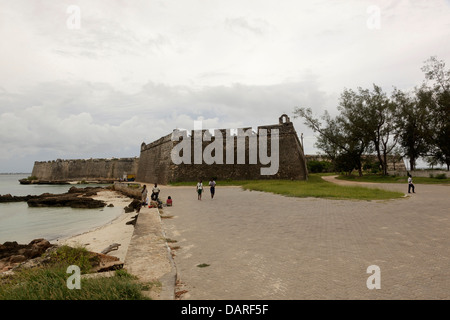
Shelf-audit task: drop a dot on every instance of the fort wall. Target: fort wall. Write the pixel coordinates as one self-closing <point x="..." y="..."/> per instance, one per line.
<point x="155" y="162"/>
<point x="84" y="169"/>
<point x="156" y="165"/>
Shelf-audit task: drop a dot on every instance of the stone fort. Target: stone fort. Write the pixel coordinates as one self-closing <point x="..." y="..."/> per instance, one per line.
<point x="157" y="166"/>
<point x="155" y="163"/>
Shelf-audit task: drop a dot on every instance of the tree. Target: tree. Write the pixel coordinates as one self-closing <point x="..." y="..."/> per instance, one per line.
<point x="435" y="95"/>
<point x="411" y="120"/>
<point x="366" y="123"/>
<point x="372" y="113"/>
<point x="338" y="138"/>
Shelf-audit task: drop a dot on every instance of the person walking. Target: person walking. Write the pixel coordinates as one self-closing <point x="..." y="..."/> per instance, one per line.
<point x="410" y="185"/>
<point x="212" y="187"/>
<point x="199" y="190"/>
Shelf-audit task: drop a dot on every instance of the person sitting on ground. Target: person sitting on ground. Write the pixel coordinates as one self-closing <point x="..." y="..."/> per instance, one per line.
<point x="169" y="201"/>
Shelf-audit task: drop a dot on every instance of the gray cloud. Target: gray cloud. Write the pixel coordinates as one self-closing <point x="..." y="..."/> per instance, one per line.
<point x="136" y="70"/>
<point x="243" y="25"/>
<point x="97" y="119"/>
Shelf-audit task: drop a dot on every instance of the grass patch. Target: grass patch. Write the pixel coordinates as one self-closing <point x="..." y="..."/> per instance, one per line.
<point x="153" y="285"/>
<point x="203" y="265"/>
<point x="395" y="179"/>
<point x="79" y="256"/>
<point x="315" y="187"/>
<point x="49" y="282"/>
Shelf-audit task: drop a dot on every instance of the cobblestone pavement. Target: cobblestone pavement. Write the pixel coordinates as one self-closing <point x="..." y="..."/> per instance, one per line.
<point x="265" y="246"/>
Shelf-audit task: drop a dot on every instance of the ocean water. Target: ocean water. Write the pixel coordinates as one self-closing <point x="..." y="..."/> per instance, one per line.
<point x="20" y="223"/>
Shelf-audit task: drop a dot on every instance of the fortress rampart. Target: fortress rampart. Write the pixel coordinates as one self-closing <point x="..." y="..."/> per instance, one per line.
<point x="246" y="155"/>
<point x="157" y="166"/>
<point x="84" y="169"/>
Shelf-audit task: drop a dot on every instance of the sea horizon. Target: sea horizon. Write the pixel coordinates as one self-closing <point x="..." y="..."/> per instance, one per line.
<point x="20" y="223"/>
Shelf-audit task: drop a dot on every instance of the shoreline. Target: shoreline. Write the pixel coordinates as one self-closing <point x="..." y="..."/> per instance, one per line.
<point x="114" y="231"/>
<point x="95" y="238"/>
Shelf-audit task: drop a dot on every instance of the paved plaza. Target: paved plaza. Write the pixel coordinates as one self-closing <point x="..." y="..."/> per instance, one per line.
<point x="265" y="246"/>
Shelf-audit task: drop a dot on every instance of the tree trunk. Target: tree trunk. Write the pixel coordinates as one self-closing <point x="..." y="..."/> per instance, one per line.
<point x="359" y="168"/>
<point x="412" y="164"/>
<point x="380" y="159"/>
<point x="385" y="164"/>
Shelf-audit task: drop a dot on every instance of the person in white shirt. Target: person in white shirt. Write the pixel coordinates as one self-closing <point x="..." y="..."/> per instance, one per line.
<point x="199" y="190"/>
<point x="410" y="185"/>
<point x="212" y="185"/>
<point x="155" y="192"/>
<point x="144" y="195"/>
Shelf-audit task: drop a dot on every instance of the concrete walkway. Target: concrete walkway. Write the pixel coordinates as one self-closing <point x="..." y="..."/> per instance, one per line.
<point x="148" y="256"/>
<point x="265" y="246"/>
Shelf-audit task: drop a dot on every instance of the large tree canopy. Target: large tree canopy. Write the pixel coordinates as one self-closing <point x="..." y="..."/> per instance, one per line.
<point x="435" y="95"/>
<point x="416" y="124"/>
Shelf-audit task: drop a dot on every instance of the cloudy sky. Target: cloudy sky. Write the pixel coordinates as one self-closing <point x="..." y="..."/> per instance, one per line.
<point x="82" y="79"/>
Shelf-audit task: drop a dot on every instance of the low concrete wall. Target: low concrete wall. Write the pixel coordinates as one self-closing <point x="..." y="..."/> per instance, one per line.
<point x="127" y="189"/>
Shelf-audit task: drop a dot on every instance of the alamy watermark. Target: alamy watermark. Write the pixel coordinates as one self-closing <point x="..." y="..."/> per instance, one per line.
<point x="374" y="20"/>
<point x="213" y="153"/>
<point x="74" y="281"/>
<point x="374" y="280"/>
<point x="73" y="22"/>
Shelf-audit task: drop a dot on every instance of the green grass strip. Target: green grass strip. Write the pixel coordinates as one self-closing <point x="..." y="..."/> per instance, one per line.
<point x="394" y="179"/>
<point x="49" y="282"/>
<point x="315" y="186"/>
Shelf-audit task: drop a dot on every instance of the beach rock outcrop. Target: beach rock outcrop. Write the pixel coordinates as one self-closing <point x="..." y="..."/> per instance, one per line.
<point x="28" y="181"/>
<point x="75" y="198"/>
<point x="9" y="198"/>
<point x="69" y="181"/>
<point x="12" y="253"/>
<point x="103" y="262"/>
<point x="66" y="200"/>
<point x="134" y="205"/>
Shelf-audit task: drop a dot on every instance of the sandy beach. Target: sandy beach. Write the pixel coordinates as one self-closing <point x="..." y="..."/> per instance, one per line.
<point x="116" y="231"/>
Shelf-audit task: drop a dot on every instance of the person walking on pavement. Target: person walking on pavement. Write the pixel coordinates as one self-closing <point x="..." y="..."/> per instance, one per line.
<point x="410" y="185"/>
<point x="212" y="187"/>
<point x="199" y="190"/>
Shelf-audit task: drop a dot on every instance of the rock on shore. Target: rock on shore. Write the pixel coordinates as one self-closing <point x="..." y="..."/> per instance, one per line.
<point x="37" y="181"/>
<point x="75" y="198"/>
<point x="12" y="253"/>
